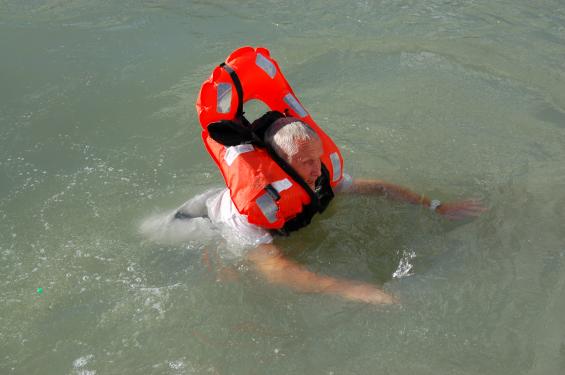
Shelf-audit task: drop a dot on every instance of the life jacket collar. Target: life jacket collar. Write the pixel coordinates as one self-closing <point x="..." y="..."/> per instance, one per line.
<point x="234" y="132"/>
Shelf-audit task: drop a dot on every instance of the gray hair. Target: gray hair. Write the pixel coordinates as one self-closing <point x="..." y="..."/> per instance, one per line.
<point x="284" y="133"/>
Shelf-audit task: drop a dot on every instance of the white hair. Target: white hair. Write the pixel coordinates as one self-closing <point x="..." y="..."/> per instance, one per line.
<point x="284" y="133"/>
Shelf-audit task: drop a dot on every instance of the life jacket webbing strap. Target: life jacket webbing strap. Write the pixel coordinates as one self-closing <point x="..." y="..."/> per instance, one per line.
<point x="238" y="88"/>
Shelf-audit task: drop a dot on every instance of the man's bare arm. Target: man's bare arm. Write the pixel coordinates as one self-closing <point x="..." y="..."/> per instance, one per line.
<point x="450" y="210"/>
<point x="278" y="269"/>
<point x="380" y="187"/>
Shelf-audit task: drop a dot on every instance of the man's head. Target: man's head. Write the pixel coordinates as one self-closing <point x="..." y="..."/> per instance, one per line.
<point x="298" y="145"/>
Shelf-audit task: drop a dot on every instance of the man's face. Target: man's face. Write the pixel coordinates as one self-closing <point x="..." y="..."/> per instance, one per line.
<point x="306" y="162"/>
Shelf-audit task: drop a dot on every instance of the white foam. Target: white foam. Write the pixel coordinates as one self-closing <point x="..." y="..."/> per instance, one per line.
<point x="404" y="266"/>
<point x="82" y="361"/>
<point x="177" y="365"/>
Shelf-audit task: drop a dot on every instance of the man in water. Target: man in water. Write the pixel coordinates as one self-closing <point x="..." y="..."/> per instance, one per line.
<point x="300" y="147"/>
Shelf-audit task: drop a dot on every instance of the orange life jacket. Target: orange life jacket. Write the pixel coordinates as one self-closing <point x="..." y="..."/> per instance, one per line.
<point x="260" y="188"/>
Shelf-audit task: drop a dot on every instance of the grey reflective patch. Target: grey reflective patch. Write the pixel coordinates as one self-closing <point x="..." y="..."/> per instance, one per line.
<point x="293" y="103"/>
<point x="336" y="166"/>
<point x="233" y="152"/>
<point x="282" y="185"/>
<point x="223" y="102"/>
<point x="268" y="207"/>
<point x="266" y="65"/>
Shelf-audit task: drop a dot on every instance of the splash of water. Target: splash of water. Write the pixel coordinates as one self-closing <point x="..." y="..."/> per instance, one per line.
<point x="404" y="266"/>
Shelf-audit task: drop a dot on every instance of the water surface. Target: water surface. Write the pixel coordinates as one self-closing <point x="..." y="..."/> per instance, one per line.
<point x="453" y="99"/>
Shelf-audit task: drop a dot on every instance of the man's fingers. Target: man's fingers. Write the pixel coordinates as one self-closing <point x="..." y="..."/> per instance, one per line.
<point x="463" y="209"/>
<point x="475" y="211"/>
<point x="455" y="217"/>
<point x="460" y="214"/>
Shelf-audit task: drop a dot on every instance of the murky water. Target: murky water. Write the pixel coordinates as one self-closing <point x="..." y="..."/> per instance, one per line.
<point x="98" y="132"/>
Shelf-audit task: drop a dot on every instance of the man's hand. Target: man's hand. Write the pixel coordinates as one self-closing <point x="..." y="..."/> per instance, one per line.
<point x="461" y="210"/>
<point x="367" y="293"/>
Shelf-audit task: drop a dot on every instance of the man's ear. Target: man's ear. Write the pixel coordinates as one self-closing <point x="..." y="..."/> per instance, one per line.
<point x="229" y="133"/>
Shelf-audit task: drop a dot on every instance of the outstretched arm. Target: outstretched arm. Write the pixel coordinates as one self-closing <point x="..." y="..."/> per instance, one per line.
<point x="450" y="210"/>
<point x="380" y="187"/>
<point x="278" y="269"/>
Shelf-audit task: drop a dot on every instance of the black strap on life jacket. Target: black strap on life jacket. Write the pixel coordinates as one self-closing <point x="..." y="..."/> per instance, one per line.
<point x="324" y="195"/>
<point x="238" y="88"/>
<point x="233" y="133"/>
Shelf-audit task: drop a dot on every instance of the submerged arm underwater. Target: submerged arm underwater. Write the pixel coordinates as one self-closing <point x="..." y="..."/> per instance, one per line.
<point x="278" y="269"/>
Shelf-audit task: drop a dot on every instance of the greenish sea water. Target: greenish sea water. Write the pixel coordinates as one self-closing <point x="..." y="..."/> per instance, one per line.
<point x="98" y="132"/>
